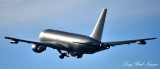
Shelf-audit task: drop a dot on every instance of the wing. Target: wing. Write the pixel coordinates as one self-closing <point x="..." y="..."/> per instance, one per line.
<point x="139" y="41"/>
<point x="16" y="40"/>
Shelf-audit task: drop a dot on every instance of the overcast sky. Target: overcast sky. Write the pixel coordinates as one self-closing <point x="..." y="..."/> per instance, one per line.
<point x="126" y="19"/>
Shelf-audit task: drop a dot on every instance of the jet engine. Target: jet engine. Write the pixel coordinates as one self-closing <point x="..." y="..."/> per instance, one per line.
<point x="142" y="42"/>
<point x="38" y="49"/>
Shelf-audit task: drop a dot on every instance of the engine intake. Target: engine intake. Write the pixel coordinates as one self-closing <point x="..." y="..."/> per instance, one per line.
<point x="38" y="49"/>
<point x="142" y="42"/>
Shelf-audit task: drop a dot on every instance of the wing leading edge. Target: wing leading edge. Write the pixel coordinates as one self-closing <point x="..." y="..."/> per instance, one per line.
<point x="139" y="41"/>
<point x="16" y="40"/>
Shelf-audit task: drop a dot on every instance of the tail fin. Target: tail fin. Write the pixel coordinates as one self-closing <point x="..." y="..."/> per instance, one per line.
<point x="98" y="29"/>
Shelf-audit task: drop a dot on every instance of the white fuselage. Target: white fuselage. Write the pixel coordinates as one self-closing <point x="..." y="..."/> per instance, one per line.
<point x="70" y="42"/>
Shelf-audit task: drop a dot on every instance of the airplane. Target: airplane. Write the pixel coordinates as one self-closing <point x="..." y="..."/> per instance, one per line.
<point x="76" y="45"/>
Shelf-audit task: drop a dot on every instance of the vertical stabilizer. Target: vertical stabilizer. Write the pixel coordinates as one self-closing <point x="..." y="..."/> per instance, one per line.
<point x="98" y="29"/>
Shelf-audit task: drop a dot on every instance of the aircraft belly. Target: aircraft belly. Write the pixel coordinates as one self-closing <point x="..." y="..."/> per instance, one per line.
<point x="85" y="49"/>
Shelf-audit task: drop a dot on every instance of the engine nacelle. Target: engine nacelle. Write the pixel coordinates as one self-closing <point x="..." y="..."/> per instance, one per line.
<point x="142" y="42"/>
<point x="38" y="49"/>
<point x="13" y="41"/>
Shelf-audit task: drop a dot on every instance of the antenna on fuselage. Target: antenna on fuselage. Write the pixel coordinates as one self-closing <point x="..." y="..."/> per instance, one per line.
<point x="98" y="29"/>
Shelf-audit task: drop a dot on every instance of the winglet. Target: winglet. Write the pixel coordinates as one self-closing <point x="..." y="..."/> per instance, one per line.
<point x="98" y="29"/>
